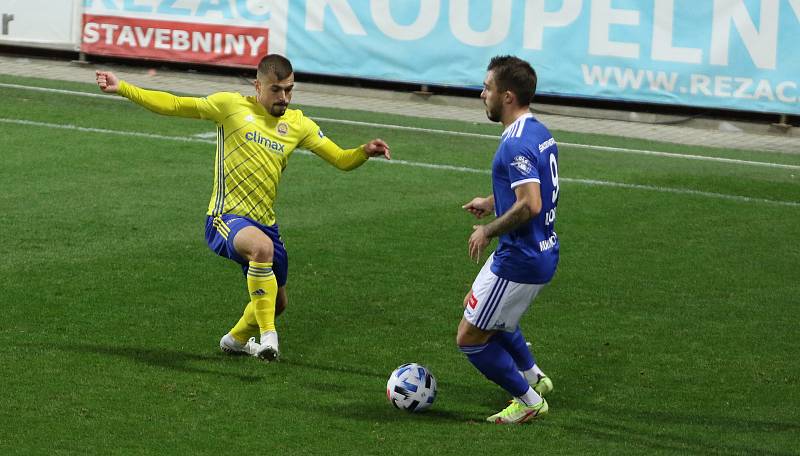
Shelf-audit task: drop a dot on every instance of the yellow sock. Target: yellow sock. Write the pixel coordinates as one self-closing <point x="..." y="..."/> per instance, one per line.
<point x="247" y="326"/>
<point x="263" y="288"/>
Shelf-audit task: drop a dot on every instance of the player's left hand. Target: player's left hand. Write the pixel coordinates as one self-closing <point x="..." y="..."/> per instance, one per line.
<point x="377" y="148"/>
<point x="477" y="242"/>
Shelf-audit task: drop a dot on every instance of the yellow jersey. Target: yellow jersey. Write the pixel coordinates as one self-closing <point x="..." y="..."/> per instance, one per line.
<point x="253" y="146"/>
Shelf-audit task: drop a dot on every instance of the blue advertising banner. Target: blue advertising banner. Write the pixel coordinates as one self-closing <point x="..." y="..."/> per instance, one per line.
<point x="730" y="54"/>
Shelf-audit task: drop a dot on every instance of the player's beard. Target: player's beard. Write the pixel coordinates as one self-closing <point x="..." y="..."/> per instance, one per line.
<point x="493" y="113"/>
<point x="278" y="110"/>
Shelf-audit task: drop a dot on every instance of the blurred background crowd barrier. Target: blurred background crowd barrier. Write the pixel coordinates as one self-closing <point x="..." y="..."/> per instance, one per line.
<point x="722" y="54"/>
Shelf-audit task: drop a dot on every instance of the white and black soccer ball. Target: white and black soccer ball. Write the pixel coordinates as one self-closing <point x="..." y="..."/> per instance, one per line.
<point x="411" y="387"/>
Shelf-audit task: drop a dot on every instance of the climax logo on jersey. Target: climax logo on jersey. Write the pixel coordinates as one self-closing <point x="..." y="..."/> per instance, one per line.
<point x="522" y="164"/>
<point x="264" y="141"/>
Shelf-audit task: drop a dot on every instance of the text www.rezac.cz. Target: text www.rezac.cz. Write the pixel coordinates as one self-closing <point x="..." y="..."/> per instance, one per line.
<point x="637" y="79"/>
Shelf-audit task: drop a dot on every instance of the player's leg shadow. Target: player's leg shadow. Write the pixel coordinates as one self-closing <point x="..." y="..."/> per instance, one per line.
<point x="375" y="409"/>
<point x="334" y="368"/>
<point x="181" y="361"/>
<point x="630" y="426"/>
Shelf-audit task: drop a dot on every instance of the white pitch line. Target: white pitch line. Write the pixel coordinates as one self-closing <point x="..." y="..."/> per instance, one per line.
<point x="680" y="191"/>
<point x="35" y="123"/>
<point x="62" y="91"/>
<point x="463" y="169"/>
<point x="599" y="183"/>
<point x="653" y="153"/>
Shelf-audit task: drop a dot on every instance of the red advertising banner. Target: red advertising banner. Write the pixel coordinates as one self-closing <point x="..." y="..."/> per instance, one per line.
<point x="212" y="44"/>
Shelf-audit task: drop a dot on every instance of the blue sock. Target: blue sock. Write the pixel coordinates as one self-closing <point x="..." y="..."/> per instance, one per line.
<point x="514" y="344"/>
<point x="493" y="361"/>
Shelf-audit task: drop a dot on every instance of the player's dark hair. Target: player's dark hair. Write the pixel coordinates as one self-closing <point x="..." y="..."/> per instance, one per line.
<point x="275" y="64"/>
<point x="514" y="75"/>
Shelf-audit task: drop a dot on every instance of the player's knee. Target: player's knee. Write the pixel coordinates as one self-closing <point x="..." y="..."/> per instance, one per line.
<point x="254" y="245"/>
<point x="470" y="335"/>
<point x="463" y="338"/>
<point x="263" y="252"/>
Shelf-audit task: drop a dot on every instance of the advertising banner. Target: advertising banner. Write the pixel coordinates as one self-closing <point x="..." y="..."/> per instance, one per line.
<point x="730" y="54"/>
<point x="41" y="23"/>
<point x="734" y="54"/>
<point x="218" y="32"/>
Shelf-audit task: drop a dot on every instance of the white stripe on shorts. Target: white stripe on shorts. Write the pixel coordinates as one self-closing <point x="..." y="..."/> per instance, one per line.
<point x="497" y="303"/>
<point x="486" y="312"/>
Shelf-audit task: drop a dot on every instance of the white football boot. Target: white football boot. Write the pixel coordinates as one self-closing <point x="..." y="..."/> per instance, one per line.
<point x="231" y="346"/>
<point x="268" y="348"/>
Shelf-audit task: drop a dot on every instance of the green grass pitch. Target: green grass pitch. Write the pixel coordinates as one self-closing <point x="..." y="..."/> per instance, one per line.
<point x="671" y="326"/>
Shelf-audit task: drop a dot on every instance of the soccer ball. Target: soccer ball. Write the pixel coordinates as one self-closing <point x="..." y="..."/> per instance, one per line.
<point x="411" y="387"/>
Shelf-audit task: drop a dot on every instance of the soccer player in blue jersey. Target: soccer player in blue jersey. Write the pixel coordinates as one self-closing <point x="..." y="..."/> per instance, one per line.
<point x="256" y="135"/>
<point x="524" y="199"/>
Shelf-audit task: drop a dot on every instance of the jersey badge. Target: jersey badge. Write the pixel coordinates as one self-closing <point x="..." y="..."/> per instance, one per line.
<point x="249" y="118"/>
<point x="522" y="164"/>
<point x="282" y="128"/>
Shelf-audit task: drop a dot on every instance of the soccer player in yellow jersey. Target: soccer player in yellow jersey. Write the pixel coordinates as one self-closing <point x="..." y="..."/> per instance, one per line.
<point x="255" y="137"/>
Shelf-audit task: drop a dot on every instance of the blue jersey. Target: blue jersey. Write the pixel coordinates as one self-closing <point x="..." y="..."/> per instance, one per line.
<point x="527" y="153"/>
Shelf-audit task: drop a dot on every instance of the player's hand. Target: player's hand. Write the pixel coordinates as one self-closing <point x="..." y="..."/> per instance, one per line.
<point x="107" y="81"/>
<point x="377" y="148"/>
<point x="479" y="207"/>
<point x="477" y="242"/>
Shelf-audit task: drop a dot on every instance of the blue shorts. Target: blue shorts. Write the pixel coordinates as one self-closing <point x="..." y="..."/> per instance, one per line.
<point x="221" y="230"/>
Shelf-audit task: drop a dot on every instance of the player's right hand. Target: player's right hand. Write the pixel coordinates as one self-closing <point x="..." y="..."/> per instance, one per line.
<point x="478" y="207"/>
<point x="107" y="81"/>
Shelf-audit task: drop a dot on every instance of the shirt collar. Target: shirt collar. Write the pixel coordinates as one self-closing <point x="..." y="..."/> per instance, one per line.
<point x="519" y="120"/>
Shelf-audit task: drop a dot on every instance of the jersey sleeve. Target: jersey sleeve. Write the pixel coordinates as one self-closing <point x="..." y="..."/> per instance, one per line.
<point x="313" y="137"/>
<point x="522" y="163"/>
<point x="315" y="141"/>
<point x="211" y="107"/>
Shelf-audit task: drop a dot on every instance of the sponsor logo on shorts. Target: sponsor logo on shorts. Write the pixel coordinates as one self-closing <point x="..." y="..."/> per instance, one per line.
<point x="473" y="301"/>
<point x="259" y="292"/>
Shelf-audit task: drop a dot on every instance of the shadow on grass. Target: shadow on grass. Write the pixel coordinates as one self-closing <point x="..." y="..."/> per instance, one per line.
<point x="383" y="412"/>
<point x="159" y="357"/>
<point x="370" y="411"/>
<point x="665" y="431"/>
<point x="337" y="368"/>
<point x="603" y="430"/>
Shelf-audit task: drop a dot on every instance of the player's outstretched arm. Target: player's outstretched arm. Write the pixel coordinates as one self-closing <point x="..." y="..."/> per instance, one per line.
<point x="349" y="159"/>
<point x="107" y="81"/>
<point x="159" y="102"/>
